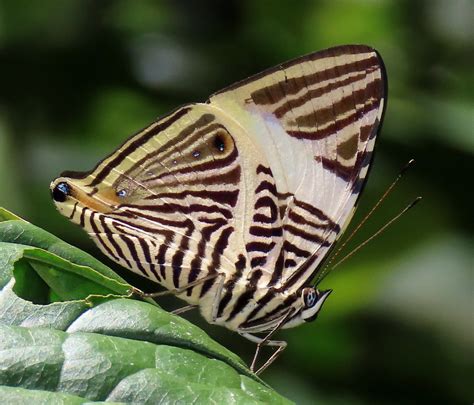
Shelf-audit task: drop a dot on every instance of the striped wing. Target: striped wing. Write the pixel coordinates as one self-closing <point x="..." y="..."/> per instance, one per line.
<point x="163" y="204"/>
<point x="255" y="184"/>
<point x="313" y="121"/>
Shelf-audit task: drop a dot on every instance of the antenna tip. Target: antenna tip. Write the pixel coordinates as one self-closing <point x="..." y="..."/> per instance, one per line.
<point x="410" y="163"/>
<point x="415" y="201"/>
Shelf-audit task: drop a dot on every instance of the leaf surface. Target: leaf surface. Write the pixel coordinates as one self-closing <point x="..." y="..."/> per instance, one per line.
<point x="70" y="333"/>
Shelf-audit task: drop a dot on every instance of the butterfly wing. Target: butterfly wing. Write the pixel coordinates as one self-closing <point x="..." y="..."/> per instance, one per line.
<point x="314" y="120"/>
<point x="256" y="184"/>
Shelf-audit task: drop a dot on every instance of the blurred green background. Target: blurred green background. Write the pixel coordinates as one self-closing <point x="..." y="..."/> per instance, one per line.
<point x="78" y="77"/>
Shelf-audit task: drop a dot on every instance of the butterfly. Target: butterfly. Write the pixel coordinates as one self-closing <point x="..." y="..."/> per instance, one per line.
<point x="235" y="203"/>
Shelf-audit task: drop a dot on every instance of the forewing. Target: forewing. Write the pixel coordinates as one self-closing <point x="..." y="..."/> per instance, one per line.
<point x="314" y="120"/>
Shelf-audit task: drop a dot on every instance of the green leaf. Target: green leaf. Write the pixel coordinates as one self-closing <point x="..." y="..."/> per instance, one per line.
<point x="69" y="333"/>
<point x="105" y="368"/>
<point x="15" y="395"/>
<point x="6" y="215"/>
<point x="24" y="233"/>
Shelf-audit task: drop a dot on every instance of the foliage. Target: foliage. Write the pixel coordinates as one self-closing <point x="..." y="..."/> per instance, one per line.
<point x="69" y="332"/>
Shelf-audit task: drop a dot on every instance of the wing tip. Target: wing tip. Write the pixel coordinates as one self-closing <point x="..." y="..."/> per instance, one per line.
<point x="330" y="51"/>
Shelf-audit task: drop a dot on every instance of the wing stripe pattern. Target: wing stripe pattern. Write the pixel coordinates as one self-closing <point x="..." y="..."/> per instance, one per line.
<point x="315" y="119"/>
<point x="256" y="184"/>
<point x="180" y="232"/>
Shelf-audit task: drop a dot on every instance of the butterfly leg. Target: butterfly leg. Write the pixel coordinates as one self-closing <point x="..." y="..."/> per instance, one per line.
<point x="265" y="341"/>
<point x="183" y="309"/>
<point x="215" y="304"/>
<point x="217" y="298"/>
<point x="176" y="291"/>
<point x="280" y="344"/>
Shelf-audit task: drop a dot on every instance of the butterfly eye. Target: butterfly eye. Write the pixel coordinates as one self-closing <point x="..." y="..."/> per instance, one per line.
<point x="309" y="297"/>
<point x="196" y="154"/>
<point x="219" y="143"/>
<point x="61" y="191"/>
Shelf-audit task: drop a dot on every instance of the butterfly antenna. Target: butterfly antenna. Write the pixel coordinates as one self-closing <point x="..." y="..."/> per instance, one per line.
<point x="409" y="206"/>
<point x="364" y="220"/>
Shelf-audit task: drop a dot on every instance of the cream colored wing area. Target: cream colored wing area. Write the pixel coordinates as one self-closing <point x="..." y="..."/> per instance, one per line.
<point x="314" y="120"/>
<point x="171" y="202"/>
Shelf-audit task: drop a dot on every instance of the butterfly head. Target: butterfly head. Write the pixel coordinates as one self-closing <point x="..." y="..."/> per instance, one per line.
<point x="307" y="308"/>
<point x="312" y="302"/>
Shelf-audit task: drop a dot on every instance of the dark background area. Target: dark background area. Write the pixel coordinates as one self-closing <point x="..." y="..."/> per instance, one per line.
<point x="78" y="77"/>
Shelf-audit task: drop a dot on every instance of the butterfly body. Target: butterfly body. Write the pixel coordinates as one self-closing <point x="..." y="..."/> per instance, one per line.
<point x="246" y="192"/>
